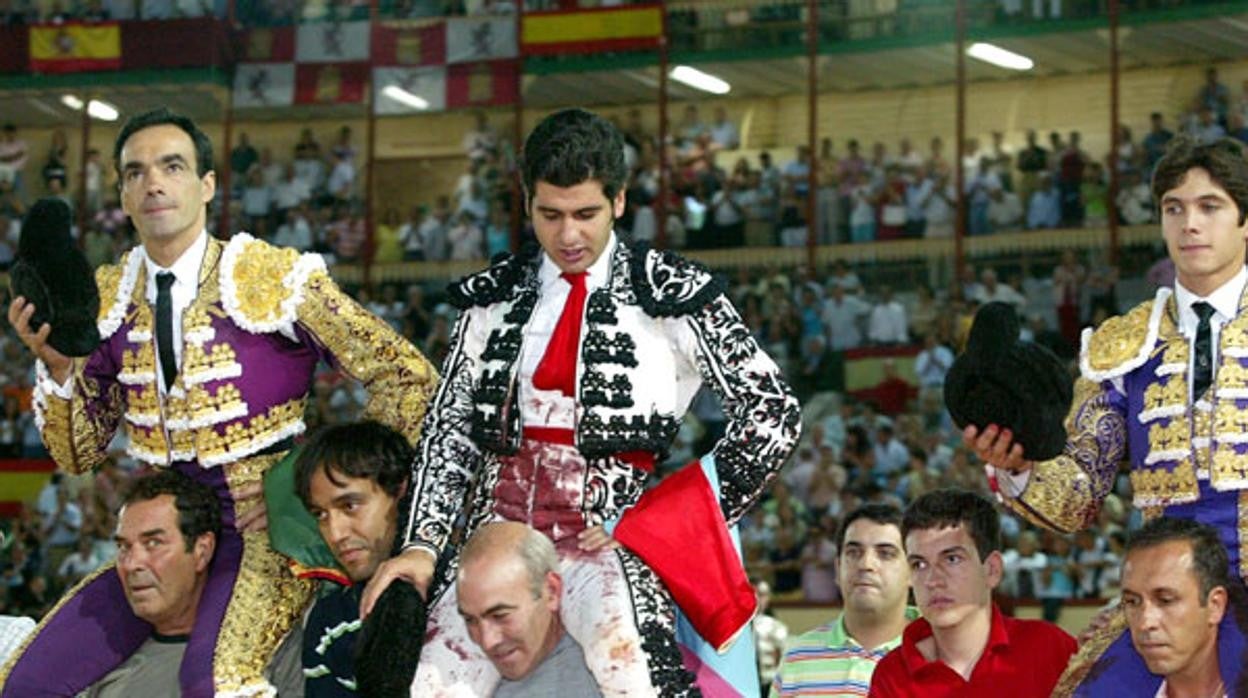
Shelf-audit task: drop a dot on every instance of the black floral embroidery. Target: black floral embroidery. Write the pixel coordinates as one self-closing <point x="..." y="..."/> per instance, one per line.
<point x="601" y="349"/>
<point x="669" y="286"/>
<point x="495" y="284"/>
<point x="502" y="345"/>
<point x="617" y="434"/>
<point x="600" y="309"/>
<point x="656" y="623"/>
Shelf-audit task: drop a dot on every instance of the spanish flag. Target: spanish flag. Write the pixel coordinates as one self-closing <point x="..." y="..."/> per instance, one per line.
<point x="74" y="47"/>
<point x="633" y="27"/>
<point x="20" y="482"/>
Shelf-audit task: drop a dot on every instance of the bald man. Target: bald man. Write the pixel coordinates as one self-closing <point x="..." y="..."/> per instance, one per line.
<point x="509" y="591"/>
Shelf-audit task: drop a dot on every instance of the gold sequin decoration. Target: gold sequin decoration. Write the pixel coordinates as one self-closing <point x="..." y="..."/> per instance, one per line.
<point x="267" y="600"/>
<point x="1120" y="339"/>
<point x="145" y="402"/>
<point x="1243" y="534"/>
<point x="1169" y="482"/>
<point x="138" y="360"/>
<point x="241" y="437"/>
<point x="149" y="440"/>
<point x="197" y="359"/>
<point x="1061" y="495"/>
<point x="1230" y="419"/>
<point x="204" y="404"/>
<point x="1233" y="334"/>
<point x="108" y="281"/>
<point x="1174" y="346"/>
<point x="1232" y="373"/>
<point x="1171" y="393"/>
<point x="77" y="439"/>
<point x="1229" y="465"/>
<point x="1090" y="651"/>
<point x="399" y="380"/>
<point x="259" y="275"/>
<point x="1168" y="437"/>
<point x="196" y="318"/>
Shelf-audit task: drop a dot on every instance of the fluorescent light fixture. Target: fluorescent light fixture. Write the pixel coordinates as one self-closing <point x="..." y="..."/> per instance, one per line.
<point x="699" y="80"/>
<point x="95" y="108"/>
<point x="991" y="53"/>
<point x="102" y="110"/>
<point x="402" y="96"/>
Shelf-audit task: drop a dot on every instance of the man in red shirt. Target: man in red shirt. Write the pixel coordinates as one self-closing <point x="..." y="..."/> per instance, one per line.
<point x="963" y="646"/>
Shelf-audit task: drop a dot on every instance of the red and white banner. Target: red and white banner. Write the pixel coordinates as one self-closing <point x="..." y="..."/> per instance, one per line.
<point x="258" y="85"/>
<point x="398" y="90"/>
<point x="330" y="83"/>
<point x="471" y="39"/>
<point x="332" y="42"/>
<point x="395" y="45"/>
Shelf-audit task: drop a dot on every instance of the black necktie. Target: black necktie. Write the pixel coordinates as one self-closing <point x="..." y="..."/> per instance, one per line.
<point x="164" y="327"/>
<point x="1204" y="350"/>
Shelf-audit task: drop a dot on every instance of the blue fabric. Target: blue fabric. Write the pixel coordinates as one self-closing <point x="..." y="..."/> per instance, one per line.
<point x="739" y="665"/>
<point x="1120" y="671"/>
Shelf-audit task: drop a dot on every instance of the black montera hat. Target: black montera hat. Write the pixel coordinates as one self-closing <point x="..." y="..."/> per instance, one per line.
<point x="390" y="642"/>
<point x="52" y="273"/>
<point x="1017" y="385"/>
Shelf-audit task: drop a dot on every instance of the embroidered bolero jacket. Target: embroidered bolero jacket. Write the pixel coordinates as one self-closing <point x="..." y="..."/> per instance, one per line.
<point x="652" y="335"/>
<point x="262" y="318"/>
<point x="1131" y="402"/>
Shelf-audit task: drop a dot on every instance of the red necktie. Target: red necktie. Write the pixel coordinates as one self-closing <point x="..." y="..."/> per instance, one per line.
<point x="557" y="369"/>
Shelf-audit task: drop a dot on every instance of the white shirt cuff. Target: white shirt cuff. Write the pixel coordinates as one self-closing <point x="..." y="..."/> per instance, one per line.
<point x="43" y="379"/>
<point x="1009" y="485"/>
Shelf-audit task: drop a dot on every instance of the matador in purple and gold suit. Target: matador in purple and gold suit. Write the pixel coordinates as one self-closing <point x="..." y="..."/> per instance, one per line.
<point x="261" y="320"/>
<point x="1188" y="458"/>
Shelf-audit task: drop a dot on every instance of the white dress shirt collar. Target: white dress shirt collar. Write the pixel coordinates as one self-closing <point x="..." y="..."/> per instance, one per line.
<point x="185" y="269"/>
<point x="1225" y="302"/>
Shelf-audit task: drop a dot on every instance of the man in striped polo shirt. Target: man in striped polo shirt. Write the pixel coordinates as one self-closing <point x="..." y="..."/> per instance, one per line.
<point x="837" y="659"/>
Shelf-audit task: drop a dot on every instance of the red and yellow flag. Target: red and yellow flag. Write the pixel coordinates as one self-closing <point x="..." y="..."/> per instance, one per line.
<point x="75" y="46"/>
<point x="20" y="482"/>
<point x="592" y="31"/>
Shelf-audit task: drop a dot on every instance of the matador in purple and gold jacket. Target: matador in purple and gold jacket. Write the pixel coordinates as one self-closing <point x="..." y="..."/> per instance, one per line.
<point x="262" y="319"/>
<point x="1188" y="458"/>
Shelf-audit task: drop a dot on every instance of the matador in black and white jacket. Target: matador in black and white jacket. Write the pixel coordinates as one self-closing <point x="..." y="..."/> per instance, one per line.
<point x="572" y="457"/>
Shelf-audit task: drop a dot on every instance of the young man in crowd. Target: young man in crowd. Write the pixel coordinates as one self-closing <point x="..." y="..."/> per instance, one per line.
<point x="874" y="577"/>
<point x="1162" y="387"/>
<point x="963" y="645"/>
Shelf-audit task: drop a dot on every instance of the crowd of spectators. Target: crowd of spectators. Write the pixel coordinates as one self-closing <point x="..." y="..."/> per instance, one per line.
<point x="904" y="193"/>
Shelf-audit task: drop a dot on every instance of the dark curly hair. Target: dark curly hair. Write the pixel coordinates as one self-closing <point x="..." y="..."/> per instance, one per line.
<point x="572" y="146"/>
<point x="1224" y="159"/>
<point x="165" y="117"/>
<point x="947" y="508"/>
<point x="364" y="449"/>
<point x="199" y="510"/>
<point x="1210" y="563"/>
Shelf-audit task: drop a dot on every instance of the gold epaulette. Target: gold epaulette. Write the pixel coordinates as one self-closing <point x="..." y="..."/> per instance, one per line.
<point x="1123" y="343"/>
<point x="115" y="283"/>
<point x="263" y="285"/>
